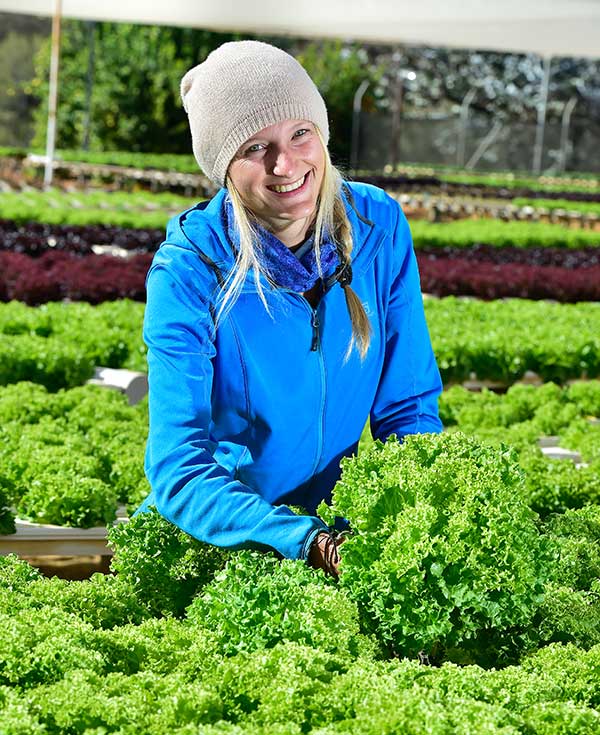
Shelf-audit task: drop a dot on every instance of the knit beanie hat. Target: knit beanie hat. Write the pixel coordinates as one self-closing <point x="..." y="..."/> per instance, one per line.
<point x="241" y="88"/>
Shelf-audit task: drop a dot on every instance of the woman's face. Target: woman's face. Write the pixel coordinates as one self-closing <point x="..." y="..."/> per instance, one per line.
<point x="278" y="174"/>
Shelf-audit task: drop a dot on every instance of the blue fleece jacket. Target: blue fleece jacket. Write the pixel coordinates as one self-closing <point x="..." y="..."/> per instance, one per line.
<point x="257" y="414"/>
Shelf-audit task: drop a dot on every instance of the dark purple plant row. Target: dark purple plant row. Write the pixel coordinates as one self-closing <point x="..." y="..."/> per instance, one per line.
<point x="55" y="276"/>
<point x="35" y="238"/>
<point x="539" y="256"/>
<point x="486" y="280"/>
<point x="410" y="183"/>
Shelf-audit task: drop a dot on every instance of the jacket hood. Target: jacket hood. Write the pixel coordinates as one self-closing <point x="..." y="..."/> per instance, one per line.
<point x="203" y="229"/>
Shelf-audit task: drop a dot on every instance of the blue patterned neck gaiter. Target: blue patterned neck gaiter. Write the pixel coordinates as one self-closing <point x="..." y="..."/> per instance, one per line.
<point x="283" y="267"/>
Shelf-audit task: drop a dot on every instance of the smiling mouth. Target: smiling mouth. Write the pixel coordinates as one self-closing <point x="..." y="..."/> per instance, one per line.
<point x="287" y="188"/>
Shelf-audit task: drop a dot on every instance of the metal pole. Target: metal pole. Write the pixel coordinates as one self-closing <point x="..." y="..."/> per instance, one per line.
<point x="464" y="118"/>
<point x="541" y="119"/>
<point x="356" y="107"/>
<point x="396" y="110"/>
<point x="52" y="95"/>
<point x="564" y="132"/>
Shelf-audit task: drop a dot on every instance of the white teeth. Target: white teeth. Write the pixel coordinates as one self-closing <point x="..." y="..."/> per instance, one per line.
<point x="289" y="187"/>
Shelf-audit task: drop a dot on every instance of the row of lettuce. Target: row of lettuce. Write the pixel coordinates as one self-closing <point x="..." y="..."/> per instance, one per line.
<point x="36" y="238"/>
<point x="59" y="344"/>
<point x="69" y="458"/>
<point x="488" y="279"/>
<point x="485" y="274"/>
<point x="60" y="276"/>
<point x="469" y="550"/>
<point x="145" y="210"/>
<point x="72" y="457"/>
<point x="446" y="564"/>
<point x="82" y="260"/>
<point x="187" y="164"/>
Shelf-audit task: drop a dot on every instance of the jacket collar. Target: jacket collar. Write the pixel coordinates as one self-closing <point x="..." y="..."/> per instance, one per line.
<point x="203" y="228"/>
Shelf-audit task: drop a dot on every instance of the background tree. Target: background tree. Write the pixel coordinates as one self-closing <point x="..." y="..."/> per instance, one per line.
<point x="20" y="39"/>
<point x="135" y="104"/>
<point x="137" y="69"/>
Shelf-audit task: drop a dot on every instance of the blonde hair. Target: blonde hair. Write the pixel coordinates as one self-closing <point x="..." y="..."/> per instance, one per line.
<point x="331" y="217"/>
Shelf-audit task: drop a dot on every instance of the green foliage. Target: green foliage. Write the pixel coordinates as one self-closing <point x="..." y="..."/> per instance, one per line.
<point x="14" y="407"/>
<point x="445" y="559"/>
<point x="165" y="566"/>
<point x="251" y="684"/>
<point x="563" y="717"/>
<point x="60" y="674"/>
<point x="586" y="395"/>
<point x="135" y="103"/>
<point x="42" y="360"/>
<point x="570" y="612"/>
<point x="41" y="645"/>
<point x="165" y="645"/>
<point x="142" y="702"/>
<point x="444" y="548"/>
<point x="519" y="418"/>
<point x="569" y="616"/>
<point x="472" y="411"/>
<point x="69" y="500"/>
<point x="58" y="344"/>
<point x="16" y="574"/>
<point x="71" y="455"/>
<point x="575" y="181"/>
<point x="464" y="233"/>
<point x="571" y="181"/>
<point x="577" y="535"/>
<point x="16" y="69"/>
<point x="135" y="106"/>
<point x="118" y="209"/>
<point x="554" y="485"/>
<point x="103" y="601"/>
<point x="583" y="437"/>
<point x="501" y="340"/>
<point x="553" y="204"/>
<point x="177" y="162"/>
<point x="7" y="517"/>
<point x="576" y="670"/>
<point x="257" y="601"/>
<point x="15" y="717"/>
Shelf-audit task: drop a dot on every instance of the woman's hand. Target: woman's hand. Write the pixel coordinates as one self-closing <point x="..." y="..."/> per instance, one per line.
<point x="324" y="553"/>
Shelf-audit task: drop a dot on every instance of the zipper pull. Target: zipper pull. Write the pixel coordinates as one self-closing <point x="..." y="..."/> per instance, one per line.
<point x="315" y="336"/>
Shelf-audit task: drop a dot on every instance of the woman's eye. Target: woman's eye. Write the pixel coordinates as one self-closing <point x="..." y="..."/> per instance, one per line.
<point x="254" y="148"/>
<point x="301" y="132"/>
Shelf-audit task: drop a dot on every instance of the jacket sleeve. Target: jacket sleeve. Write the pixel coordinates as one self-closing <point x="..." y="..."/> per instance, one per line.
<point x="189" y="488"/>
<point x="406" y="401"/>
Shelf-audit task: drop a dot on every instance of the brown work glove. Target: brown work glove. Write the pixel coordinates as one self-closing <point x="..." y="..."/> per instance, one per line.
<point x="324" y="553"/>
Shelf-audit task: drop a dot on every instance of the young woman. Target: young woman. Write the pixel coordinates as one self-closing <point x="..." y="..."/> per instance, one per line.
<point x="281" y="316"/>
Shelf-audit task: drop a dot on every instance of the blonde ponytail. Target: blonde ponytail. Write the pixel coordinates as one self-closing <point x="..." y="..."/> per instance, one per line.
<point x="342" y="232"/>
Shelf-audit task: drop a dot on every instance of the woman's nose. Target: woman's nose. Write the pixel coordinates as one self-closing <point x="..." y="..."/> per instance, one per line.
<point x="283" y="164"/>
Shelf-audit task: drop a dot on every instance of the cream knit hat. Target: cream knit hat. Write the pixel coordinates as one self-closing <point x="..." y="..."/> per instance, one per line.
<point x="241" y="88"/>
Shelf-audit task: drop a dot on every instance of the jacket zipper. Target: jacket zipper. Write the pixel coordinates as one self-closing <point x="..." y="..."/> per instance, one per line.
<point x="315" y="346"/>
<point x="315" y="335"/>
